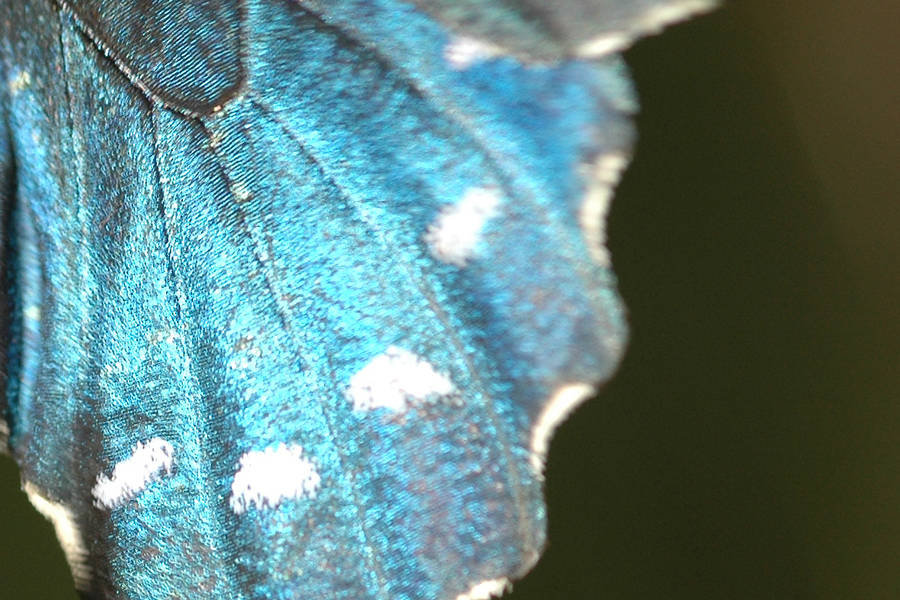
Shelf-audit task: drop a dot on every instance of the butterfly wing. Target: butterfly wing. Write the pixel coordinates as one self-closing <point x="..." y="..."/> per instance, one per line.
<point x="549" y="31"/>
<point x="303" y="289"/>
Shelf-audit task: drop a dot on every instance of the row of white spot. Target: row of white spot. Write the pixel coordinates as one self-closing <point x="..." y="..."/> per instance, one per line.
<point x="264" y="479"/>
<point x="395" y="380"/>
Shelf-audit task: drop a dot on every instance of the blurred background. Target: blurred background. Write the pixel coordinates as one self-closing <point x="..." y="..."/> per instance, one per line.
<point x="750" y="445"/>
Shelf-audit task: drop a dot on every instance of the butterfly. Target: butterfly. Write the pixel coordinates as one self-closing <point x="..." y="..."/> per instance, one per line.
<point x="301" y="288"/>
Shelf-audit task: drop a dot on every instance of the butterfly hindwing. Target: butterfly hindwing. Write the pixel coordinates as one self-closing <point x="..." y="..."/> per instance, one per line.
<point x="302" y="328"/>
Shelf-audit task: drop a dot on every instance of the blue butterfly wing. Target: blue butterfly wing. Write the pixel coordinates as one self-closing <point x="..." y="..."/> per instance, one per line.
<point x="302" y="290"/>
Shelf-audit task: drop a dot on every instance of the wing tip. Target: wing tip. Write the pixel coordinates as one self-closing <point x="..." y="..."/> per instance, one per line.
<point x="647" y="23"/>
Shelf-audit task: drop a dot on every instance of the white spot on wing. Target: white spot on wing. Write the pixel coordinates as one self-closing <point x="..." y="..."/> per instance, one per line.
<point x="462" y="52"/>
<point x="454" y="235"/>
<point x="265" y="479"/>
<point x="654" y="20"/>
<point x="606" y="173"/>
<point x="563" y="402"/>
<point x="485" y="590"/>
<point x="32" y="312"/>
<point x="148" y="463"/>
<point x="395" y="379"/>
<point x="68" y="533"/>
<point x="20" y="82"/>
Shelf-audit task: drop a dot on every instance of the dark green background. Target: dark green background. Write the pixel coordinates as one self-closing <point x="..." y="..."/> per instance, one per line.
<point x="750" y="445"/>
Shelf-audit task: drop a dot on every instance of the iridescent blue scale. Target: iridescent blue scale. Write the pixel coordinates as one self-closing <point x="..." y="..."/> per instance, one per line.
<point x="302" y="288"/>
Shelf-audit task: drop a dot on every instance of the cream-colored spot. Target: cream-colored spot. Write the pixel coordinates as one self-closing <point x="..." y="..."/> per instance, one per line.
<point x="462" y="52"/>
<point x="602" y="180"/>
<point x="492" y="588"/>
<point x="563" y="402"/>
<point x="241" y="193"/>
<point x="68" y="533"/>
<point x="265" y="479"/>
<point x="395" y="380"/>
<point x="454" y="235"/>
<point x="148" y="463"/>
<point x="32" y="312"/>
<point x="20" y="82"/>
